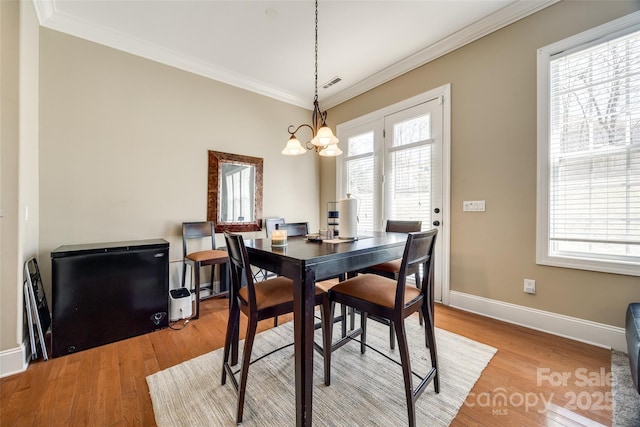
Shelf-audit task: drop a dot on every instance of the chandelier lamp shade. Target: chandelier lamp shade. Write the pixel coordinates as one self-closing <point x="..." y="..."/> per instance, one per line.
<point x="324" y="141"/>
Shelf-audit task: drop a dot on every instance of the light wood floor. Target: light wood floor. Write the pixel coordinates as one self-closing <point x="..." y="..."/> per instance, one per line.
<point x="106" y="386"/>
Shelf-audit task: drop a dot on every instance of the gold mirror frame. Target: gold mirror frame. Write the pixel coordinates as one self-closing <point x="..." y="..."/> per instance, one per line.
<point x="216" y="159"/>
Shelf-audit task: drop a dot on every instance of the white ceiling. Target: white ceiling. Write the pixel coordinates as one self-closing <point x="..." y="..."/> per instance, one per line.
<point x="267" y="46"/>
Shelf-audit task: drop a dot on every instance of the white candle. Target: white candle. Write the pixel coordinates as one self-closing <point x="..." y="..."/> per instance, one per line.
<point x="279" y="238"/>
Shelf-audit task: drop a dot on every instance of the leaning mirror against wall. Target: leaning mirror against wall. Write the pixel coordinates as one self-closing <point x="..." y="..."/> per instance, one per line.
<point x="234" y="197"/>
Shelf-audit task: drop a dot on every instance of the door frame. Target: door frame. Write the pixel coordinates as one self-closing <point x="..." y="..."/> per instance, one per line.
<point x="444" y="234"/>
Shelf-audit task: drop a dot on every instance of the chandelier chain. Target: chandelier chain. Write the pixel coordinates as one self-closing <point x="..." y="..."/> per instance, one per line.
<point x="323" y="143"/>
<point x="316" y="63"/>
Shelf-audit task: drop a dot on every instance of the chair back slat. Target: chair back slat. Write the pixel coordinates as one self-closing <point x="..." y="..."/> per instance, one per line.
<point x="197" y="230"/>
<point x="417" y="251"/>
<point x="191" y="230"/>
<point x="240" y="266"/>
<point x="403" y="226"/>
<point x="294" y="228"/>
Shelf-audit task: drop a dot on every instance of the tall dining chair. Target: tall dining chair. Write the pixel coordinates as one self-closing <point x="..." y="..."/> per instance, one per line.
<point x="393" y="300"/>
<point x="258" y="301"/>
<point x="294" y="229"/>
<point x="391" y="269"/>
<point x="204" y="232"/>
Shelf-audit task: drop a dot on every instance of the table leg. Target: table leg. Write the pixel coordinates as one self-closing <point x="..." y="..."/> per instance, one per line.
<point x="303" y="303"/>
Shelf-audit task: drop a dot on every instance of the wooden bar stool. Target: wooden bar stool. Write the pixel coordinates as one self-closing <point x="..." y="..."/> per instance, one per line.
<point x="394" y="300"/>
<point x="258" y="301"/>
<point x="208" y="257"/>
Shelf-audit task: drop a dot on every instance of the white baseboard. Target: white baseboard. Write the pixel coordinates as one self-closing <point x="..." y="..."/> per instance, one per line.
<point x="14" y="360"/>
<point x="598" y="334"/>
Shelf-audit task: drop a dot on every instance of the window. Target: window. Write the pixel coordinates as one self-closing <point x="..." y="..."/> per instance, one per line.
<point x="589" y="150"/>
<point x="360" y="177"/>
<point x="409" y="166"/>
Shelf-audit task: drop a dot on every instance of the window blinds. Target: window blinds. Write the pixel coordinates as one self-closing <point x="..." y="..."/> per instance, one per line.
<point x="360" y="177"/>
<point x="408" y="179"/>
<point x="594" y="150"/>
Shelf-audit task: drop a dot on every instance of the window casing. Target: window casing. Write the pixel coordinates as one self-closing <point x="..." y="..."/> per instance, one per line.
<point x="589" y="150"/>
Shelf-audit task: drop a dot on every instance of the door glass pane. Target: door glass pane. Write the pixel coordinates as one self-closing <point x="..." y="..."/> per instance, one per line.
<point x="360" y="184"/>
<point x="413" y="130"/>
<point x="360" y="178"/>
<point x="409" y="185"/>
<point x="360" y="144"/>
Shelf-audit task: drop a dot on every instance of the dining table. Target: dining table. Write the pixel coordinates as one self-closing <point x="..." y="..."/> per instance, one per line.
<point x="307" y="262"/>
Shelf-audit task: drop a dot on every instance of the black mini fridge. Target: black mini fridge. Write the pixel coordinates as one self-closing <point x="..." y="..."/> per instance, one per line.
<point x="106" y="292"/>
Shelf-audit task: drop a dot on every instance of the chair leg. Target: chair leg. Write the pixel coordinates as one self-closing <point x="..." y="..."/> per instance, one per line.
<point x="246" y="360"/>
<point x="406" y="371"/>
<point x="392" y="337"/>
<point x="431" y="343"/>
<point x="353" y="318"/>
<point x="327" y="329"/>
<point x="363" y="326"/>
<point x="196" y="286"/>
<point x="343" y="313"/>
<point x="184" y="274"/>
<point x="225" y="277"/>
<point x="234" y="313"/>
<point x="228" y="340"/>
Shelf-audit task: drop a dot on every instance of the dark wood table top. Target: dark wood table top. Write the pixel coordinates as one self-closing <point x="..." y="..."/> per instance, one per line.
<point x="327" y="259"/>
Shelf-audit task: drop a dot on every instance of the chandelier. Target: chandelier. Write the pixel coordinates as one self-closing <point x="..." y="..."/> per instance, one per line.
<point x="323" y="142"/>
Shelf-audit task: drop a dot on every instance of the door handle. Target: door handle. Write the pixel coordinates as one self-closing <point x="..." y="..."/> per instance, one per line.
<point x="436" y="223"/>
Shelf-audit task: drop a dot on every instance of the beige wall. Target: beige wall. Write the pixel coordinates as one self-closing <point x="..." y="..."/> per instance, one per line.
<point x="124" y="141"/>
<point x="19" y="160"/>
<point x="9" y="279"/>
<point x="493" y="149"/>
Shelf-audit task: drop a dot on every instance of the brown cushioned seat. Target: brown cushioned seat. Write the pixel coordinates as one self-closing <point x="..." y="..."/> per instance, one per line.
<point x="375" y="289"/>
<point x="272" y="292"/>
<point x="201" y="256"/>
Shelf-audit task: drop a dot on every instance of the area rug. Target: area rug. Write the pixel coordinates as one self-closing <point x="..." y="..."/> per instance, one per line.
<point x="626" y="400"/>
<point x="365" y="389"/>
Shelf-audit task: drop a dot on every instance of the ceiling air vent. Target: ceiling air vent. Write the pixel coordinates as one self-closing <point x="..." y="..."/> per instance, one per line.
<point x="332" y="82"/>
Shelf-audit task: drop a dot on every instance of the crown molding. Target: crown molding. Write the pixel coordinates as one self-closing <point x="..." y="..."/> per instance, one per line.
<point x="50" y="18"/>
<point x="500" y="19"/>
<point x="44" y="9"/>
<point x="53" y="19"/>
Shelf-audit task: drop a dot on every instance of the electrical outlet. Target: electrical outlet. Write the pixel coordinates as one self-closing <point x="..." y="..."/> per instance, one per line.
<point x="530" y="286"/>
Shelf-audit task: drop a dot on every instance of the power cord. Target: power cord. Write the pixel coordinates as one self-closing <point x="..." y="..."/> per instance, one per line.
<point x="181" y="327"/>
<point x="184" y="324"/>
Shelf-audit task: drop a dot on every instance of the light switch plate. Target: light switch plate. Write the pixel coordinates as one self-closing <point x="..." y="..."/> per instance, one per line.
<point x="473" y="206"/>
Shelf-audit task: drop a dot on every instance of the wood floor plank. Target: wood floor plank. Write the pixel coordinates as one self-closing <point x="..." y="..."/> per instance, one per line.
<point x="106" y="386"/>
<point x="65" y="391"/>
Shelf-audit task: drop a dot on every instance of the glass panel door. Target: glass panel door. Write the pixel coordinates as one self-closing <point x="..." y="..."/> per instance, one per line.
<point x="412" y="170"/>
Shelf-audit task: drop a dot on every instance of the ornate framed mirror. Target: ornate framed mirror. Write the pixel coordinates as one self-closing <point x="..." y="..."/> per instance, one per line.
<point x="234" y="196"/>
